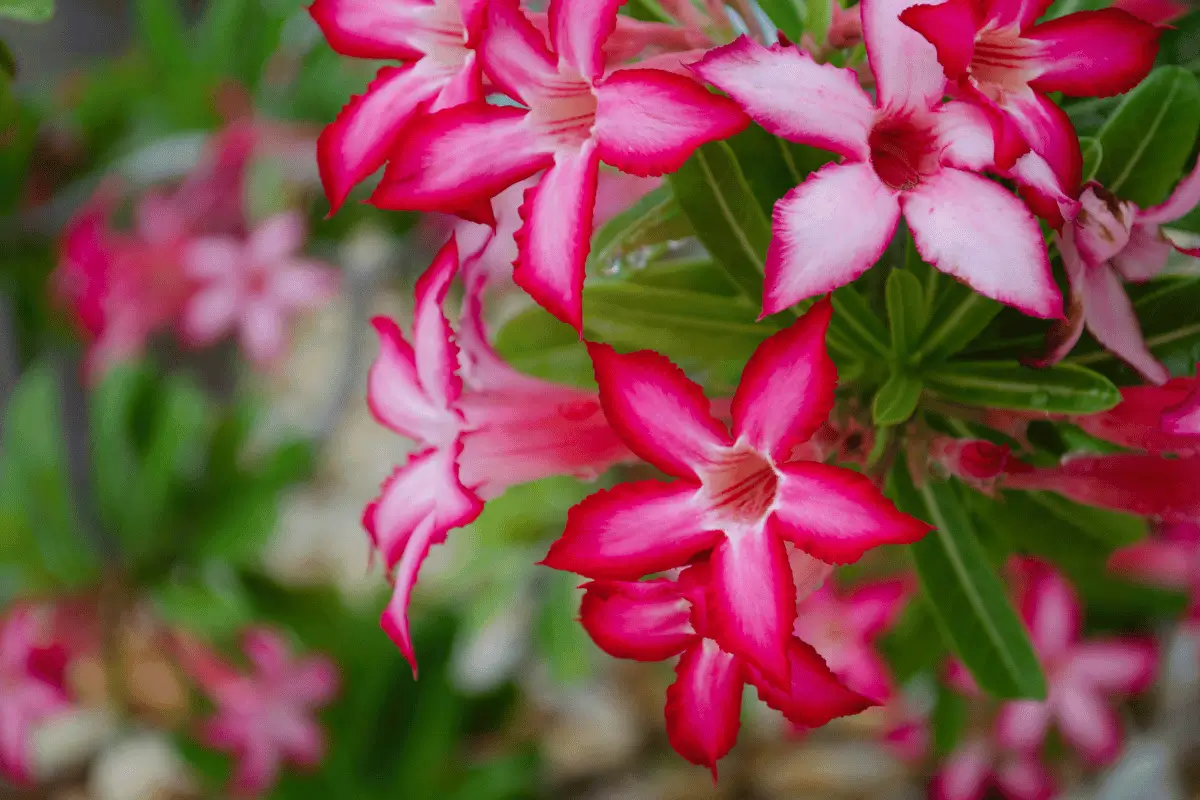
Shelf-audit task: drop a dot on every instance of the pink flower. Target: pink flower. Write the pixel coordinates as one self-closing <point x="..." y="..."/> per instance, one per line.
<point x="843" y="627"/>
<point x="644" y="122"/>
<point x="1148" y="417"/>
<point x="1170" y="558"/>
<point x="657" y="619"/>
<point x="435" y="38"/>
<point x="998" y="59"/>
<point x="480" y="426"/>
<point x="1156" y="12"/>
<point x="905" y="153"/>
<point x="977" y="765"/>
<point x="1082" y="675"/>
<point x="845" y="29"/>
<point x="736" y="496"/>
<point x="976" y="461"/>
<point x="252" y="287"/>
<point x="31" y="689"/>
<point x="266" y="717"/>
<point x="1183" y="418"/>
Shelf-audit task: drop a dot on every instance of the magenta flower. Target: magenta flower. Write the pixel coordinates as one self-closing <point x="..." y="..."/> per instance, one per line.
<point x="1170" y="558"/>
<point x="657" y="619"/>
<point x="1182" y="419"/>
<point x="436" y="39"/>
<point x="997" y="58"/>
<point x="264" y="717"/>
<point x="575" y="115"/>
<point x="1156" y="12"/>
<point x="1148" y="418"/>
<point x="1082" y="675"/>
<point x="978" y="765"/>
<point x="906" y="152"/>
<point x="253" y="287"/>
<point x="736" y="496"/>
<point x="480" y="425"/>
<point x="32" y="689"/>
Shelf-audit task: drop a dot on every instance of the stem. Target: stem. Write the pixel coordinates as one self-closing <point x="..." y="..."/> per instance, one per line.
<point x="10" y="364"/>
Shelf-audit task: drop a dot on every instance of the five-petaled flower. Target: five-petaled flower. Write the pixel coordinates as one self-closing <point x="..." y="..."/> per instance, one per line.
<point x="32" y="688"/>
<point x="736" y="495"/>
<point x="264" y="717"/>
<point x="480" y="424"/>
<point x="907" y="152"/>
<point x="575" y="115"/>
<point x="657" y="619"/>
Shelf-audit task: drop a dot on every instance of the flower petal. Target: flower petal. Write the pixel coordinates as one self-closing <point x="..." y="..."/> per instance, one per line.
<point x="358" y="141"/>
<point x="514" y="53"/>
<point x="951" y="28"/>
<point x="1156" y="561"/>
<point x="1024" y="777"/>
<point x="578" y="30"/>
<point x="753" y="601"/>
<point x="836" y="514"/>
<point x="367" y="29"/>
<point x="787" y="386"/>
<point x="210" y="257"/>
<point x="814" y="695"/>
<point x="1093" y="53"/>
<point x="1116" y="666"/>
<point x="976" y="231"/>
<point x="662" y="415"/>
<point x="1021" y="725"/>
<point x="644" y="620"/>
<point x="828" y="231"/>
<point x="395" y="395"/>
<point x="1146" y="254"/>
<point x="632" y="530"/>
<point x="1051" y="611"/>
<point x="704" y="704"/>
<point x="459" y="157"/>
<point x="276" y="239"/>
<point x="209" y="314"/>
<point x="648" y="122"/>
<point x="1088" y="724"/>
<point x="963" y="776"/>
<point x="964" y="135"/>
<point x="792" y="96"/>
<point x="263" y="333"/>
<point x="1112" y="320"/>
<point x="907" y="72"/>
<point x="872" y="608"/>
<point x="267" y="651"/>
<point x="1184" y="419"/>
<point x="1184" y="197"/>
<point x="554" y="242"/>
<point x="1049" y="132"/>
<point x="433" y="344"/>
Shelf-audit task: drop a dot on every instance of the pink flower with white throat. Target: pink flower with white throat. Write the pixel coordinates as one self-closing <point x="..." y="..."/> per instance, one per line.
<point x="1083" y="675"/>
<point x="253" y="287"/>
<point x="997" y="58"/>
<point x="736" y="495"/>
<point x="480" y="427"/>
<point x="657" y="619"/>
<point x="32" y="689"/>
<point x="265" y="717"/>
<point x="435" y="39"/>
<point x="575" y="115"/>
<point x="905" y="153"/>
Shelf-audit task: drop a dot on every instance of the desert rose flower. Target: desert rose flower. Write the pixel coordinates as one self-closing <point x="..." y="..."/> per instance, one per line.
<point x="906" y="153"/>
<point x="31" y="689"/>
<point x="736" y="494"/>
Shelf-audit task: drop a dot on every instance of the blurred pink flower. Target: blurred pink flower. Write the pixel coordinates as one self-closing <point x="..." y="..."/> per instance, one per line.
<point x="1169" y="558"/>
<point x="32" y="688"/>
<point x="978" y="764"/>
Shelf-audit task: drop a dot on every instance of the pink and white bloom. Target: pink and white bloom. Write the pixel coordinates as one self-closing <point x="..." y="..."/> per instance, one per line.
<point x="905" y="153"/>
<point x="978" y="765"/>
<point x="575" y="115"/>
<point x="1170" y="558"/>
<point x="1082" y="675"/>
<point x="736" y="494"/>
<point x="1183" y="418"/>
<point x="32" y="689"/>
<point x="657" y="619"/>
<point x="480" y="427"/>
<point x="265" y="717"/>
<point x="435" y="40"/>
<point x="997" y="58"/>
<point x="253" y="287"/>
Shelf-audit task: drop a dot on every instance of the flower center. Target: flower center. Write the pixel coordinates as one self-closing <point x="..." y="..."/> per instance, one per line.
<point x="903" y="151"/>
<point x="565" y="110"/>
<point x="740" y="486"/>
<point x="1000" y="64"/>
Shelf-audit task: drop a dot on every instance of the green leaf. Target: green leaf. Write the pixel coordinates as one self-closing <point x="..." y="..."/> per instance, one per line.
<point x="537" y="344"/>
<point x="1093" y="156"/>
<point x="712" y="190"/>
<point x="1061" y="389"/>
<point x="697" y="275"/>
<point x="561" y="639"/>
<point x="27" y="10"/>
<point x="768" y="164"/>
<point x="634" y="235"/>
<point x="897" y="399"/>
<point x="948" y="720"/>
<point x="856" y="326"/>
<point x="906" y="312"/>
<point x="215" y="604"/>
<point x="788" y="16"/>
<point x="959" y="315"/>
<point x="161" y="29"/>
<point x="1148" y="139"/>
<point x="818" y="16"/>
<point x="914" y="644"/>
<point x="964" y="593"/>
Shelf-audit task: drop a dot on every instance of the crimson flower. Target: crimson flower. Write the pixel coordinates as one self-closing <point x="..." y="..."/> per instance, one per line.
<point x="31" y="689"/>
<point x="657" y="619"/>
<point x="264" y="717"/>
<point x="904" y="153"/>
<point x="480" y="426"/>
<point x="737" y="496"/>
<point x="574" y="115"/>
<point x="997" y="58"/>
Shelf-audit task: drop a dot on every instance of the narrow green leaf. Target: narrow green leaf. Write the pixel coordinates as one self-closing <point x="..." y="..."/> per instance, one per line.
<point x="27" y="10"/>
<point x="1093" y="156"/>
<point x="818" y="16"/>
<point x="161" y="29"/>
<point x="788" y="16"/>
<point x="948" y="720"/>
<point x="632" y="237"/>
<point x="857" y="325"/>
<point x="907" y="313"/>
<point x="914" y="644"/>
<point x="959" y="315"/>
<point x="964" y="593"/>
<point x="728" y="220"/>
<point x="537" y="344"/>
<point x="1061" y="389"/>
<point x="897" y="399"/>
<point x="1147" y="140"/>
<point x="698" y="275"/>
<point x="767" y="162"/>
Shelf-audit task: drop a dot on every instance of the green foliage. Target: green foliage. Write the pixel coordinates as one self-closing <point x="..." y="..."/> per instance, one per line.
<point x="1062" y="389"/>
<point x="27" y="10"/>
